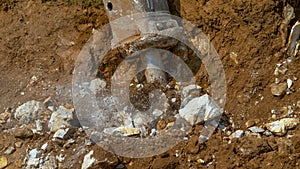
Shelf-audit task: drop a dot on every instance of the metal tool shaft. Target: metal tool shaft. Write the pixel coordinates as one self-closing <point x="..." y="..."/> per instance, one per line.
<point x="123" y="32"/>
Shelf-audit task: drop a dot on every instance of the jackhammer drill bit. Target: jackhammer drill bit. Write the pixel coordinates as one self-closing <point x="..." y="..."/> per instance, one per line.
<point x="120" y="8"/>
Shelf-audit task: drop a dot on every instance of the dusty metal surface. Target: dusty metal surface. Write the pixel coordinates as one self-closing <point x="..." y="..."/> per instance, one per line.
<point x="134" y="19"/>
<point x="141" y="21"/>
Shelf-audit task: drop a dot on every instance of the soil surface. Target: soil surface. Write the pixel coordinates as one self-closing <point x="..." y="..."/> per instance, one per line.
<point x="39" y="44"/>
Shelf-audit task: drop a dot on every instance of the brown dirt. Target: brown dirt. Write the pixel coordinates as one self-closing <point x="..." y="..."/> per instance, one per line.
<point x="42" y="40"/>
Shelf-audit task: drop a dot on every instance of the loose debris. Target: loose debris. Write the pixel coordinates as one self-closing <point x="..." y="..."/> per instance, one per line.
<point x="28" y="111"/>
<point x="88" y="160"/>
<point x="279" y="89"/>
<point x="281" y="127"/>
<point x="61" y="118"/>
<point x="237" y="134"/>
<point x="199" y="110"/>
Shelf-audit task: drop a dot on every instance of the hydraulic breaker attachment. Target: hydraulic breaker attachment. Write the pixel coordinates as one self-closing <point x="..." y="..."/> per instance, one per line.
<point x="143" y="24"/>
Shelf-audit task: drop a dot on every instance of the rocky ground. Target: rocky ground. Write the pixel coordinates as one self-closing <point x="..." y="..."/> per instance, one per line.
<point x="39" y="44"/>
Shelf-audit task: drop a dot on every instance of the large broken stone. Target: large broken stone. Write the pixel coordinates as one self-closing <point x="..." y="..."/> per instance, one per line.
<point x="280" y="127"/>
<point x="200" y="109"/>
<point x="28" y="111"/>
<point x="60" y="119"/>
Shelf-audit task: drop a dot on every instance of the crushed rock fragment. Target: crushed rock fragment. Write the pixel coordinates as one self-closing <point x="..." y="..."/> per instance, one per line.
<point x="280" y="127"/>
<point x="60" y="133"/>
<point x="61" y="118"/>
<point x="256" y="129"/>
<point x="237" y="134"/>
<point x="200" y="109"/>
<point x="33" y="159"/>
<point x="28" y="111"/>
<point x="88" y="160"/>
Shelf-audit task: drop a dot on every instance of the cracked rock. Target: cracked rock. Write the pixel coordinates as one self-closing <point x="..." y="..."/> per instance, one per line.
<point x="256" y="129"/>
<point x="60" y="119"/>
<point x="33" y="160"/>
<point x="28" y="111"/>
<point x="280" y="127"/>
<point x="199" y="110"/>
<point x="61" y="133"/>
<point x="237" y="134"/>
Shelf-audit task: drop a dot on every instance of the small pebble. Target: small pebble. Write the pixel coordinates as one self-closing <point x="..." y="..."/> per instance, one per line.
<point x="267" y="133"/>
<point x="44" y="146"/>
<point x="289" y="83"/>
<point x="3" y="162"/>
<point x="18" y="144"/>
<point x="278" y="89"/>
<point x="256" y="129"/>
<point x="10" y="150"/>
<point x="237" y="134"/>
<point x="60" y="133"/>
<point x="162" y="124"/>
<point x="173" y="100"/>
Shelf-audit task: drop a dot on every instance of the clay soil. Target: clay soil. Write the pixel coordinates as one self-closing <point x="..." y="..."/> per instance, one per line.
<point x="39" y="43"/>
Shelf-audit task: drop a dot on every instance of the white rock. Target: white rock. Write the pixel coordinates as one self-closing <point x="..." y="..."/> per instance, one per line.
<point x="33" y="160"/>
<point x="60" y="158"/>
<point x="60" y="133"/>
<point x="289" y="83"/>
<point x="39" y="126"/>
<point x="44" y="146"/>
<point x="97" y="84"/>
<point x="28" y="111"/>
<point x="280" y="127"/>
<point x="157" y="113"/>
<point x="60" y="119"/>
<point x="237" y="134"/>
<point x="200" y="109"/>
<point x="256" y="129"/>
<point x="139" y="86"/>
<point x="173" y="100"/>
<point x="186" y="91"/>
<point x="267" y="133"/>
<point x="51" y="108"/>
<point x="34" y="153"/>
<point x="88" y="160"/>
